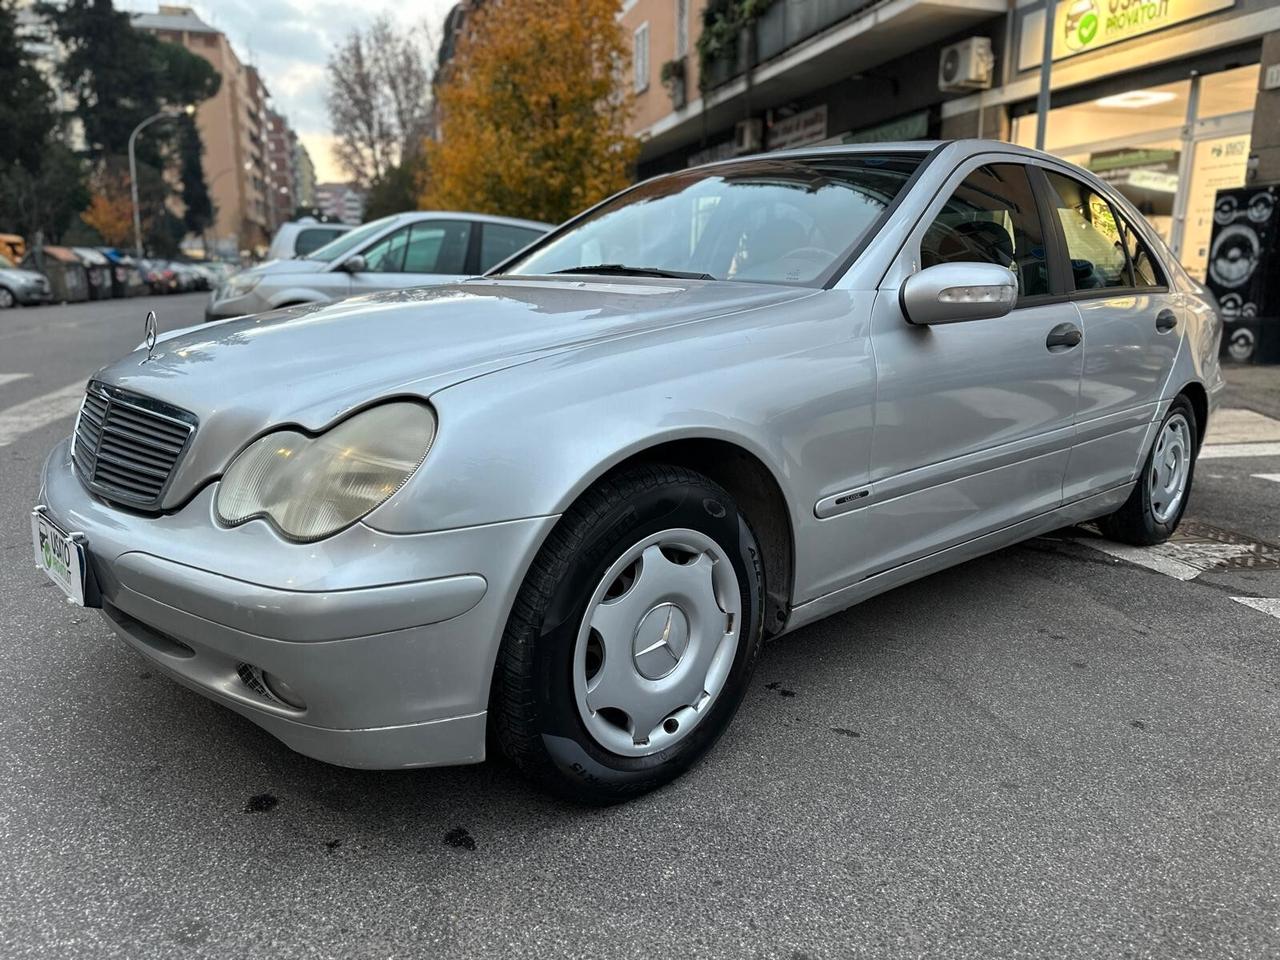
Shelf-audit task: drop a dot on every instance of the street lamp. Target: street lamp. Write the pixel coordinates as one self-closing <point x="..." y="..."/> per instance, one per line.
<point x="188" y="110"/>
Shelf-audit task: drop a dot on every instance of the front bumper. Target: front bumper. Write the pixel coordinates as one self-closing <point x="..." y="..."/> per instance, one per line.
<point x="389" y="639"/>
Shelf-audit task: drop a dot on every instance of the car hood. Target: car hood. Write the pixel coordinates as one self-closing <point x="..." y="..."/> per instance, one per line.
<point x="273" y="268"/>
<point x="18" y="275"/>
<point x="312" y="365"/>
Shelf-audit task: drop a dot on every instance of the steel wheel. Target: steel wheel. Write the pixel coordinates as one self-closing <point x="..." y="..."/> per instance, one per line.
<point x="657" y="642"/>
<point x="1170" y="468"/>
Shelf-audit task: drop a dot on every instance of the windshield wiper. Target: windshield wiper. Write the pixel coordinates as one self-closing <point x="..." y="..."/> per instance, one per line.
<point x="620" y="269"/>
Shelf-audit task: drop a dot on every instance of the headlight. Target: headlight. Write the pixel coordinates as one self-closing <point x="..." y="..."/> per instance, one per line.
<point x="238" y="286"/>
<point x="312" y="487"/>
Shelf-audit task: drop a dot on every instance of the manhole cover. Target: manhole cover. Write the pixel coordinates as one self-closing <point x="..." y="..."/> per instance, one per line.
<point x="1212" y="548"/>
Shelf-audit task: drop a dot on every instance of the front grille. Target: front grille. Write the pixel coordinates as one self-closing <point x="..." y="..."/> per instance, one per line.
<point x="127" y="446"/>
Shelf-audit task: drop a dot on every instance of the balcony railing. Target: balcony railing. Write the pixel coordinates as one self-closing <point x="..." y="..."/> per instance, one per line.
<point x="786" y="24"/>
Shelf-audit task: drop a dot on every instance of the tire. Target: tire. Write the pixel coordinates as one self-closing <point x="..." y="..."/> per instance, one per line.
<point x="540" y="704"/>
<point x="7" y="299"/>
<point x="1150" y="516"/>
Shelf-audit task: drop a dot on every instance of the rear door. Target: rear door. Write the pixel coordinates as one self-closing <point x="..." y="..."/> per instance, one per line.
<point x="498" y="241"/>
<point x="1132" y="325"/>
<point x="420" y="253"/>
<point x="974" y="421"/>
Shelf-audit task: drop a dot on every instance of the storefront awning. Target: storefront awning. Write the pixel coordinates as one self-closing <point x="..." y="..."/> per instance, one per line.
<point x="879" y="34"/>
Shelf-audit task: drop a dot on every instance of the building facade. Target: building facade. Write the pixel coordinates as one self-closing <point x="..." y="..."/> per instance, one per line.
<point x="282" y="185"/>
<point x="304" y="176"/>
<point x="231" y="126"/>
<point x="340" y="201"/>
<point x="1170" y="100"/>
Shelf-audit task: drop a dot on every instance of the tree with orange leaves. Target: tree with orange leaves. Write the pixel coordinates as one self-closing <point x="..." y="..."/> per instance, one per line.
<point x="111" y="211"/>
<point x="533" y="111"/>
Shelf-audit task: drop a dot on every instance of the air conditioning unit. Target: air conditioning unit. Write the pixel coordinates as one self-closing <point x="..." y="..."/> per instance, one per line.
<point x="967" y="65"/>
<point x="748" y="136"/>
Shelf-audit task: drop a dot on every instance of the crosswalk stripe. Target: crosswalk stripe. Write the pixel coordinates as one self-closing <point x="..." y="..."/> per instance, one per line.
<point x="1231" y="451"/>
<point x="1273" y="477"/>
<point x="1263" y="604"/>
<point x="40" y="411"/>
<point x="10" y="377"/>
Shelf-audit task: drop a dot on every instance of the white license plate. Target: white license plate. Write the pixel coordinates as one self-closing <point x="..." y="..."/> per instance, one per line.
<point x="59" y="556"/>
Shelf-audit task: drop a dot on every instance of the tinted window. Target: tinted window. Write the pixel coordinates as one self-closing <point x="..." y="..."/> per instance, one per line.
<point x="992" y="218"/>
<point x="1093" y="237"/>
<point x="438" y="246"/>
<point x="1143" y="264"/>
<point x="767" y="220"/>
<point x="387" y="254"/>
<point x="312" y="239"/>
<point x="499" y="241"/>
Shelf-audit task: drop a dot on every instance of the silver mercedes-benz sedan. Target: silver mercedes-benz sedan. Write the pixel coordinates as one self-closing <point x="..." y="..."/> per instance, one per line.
<point x="559" y="507"/>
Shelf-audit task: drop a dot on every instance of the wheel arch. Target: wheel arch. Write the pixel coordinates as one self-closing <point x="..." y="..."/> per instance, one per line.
<point x="1195" y="392"/>
<point x="755" y="487"/>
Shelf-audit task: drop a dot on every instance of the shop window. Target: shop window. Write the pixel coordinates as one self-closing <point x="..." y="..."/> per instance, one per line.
<point x="992" y="218"/>
<point x="1094" y="244"/>
<point x="1229" y="91"/>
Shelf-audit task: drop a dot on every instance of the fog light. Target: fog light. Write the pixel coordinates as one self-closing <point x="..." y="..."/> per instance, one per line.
<point x="282" y="691"/>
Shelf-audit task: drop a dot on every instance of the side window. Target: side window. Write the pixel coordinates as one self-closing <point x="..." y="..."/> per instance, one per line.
<point x="1143" y="264"/>
<point x="438" y="246"/>
<point x="992" y="218"/>
<point x="499" y="241"/>
<point x="1093" y="236"/>
<point x="311" y="239"/>
<point x="387" y="255"/>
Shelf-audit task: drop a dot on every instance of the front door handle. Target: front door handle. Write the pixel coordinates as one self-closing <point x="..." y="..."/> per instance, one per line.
<point x="1063" y="337"/>
<point x="1166" y="320"/>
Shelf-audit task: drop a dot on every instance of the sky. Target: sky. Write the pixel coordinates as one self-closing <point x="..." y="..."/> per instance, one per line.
<point x="289" y="41"/>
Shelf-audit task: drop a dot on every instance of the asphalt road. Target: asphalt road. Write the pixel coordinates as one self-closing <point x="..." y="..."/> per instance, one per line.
<point x="1049" y="752"/>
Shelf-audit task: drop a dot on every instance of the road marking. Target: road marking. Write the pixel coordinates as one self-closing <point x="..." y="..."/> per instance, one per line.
<point x="1167" y="558"/>
<point x="1230" y="451"/>
<point x="10" y="377"/>
<point x="1264" y="604"/>
<point x="38" y="412"/>
<point x="1273" y="477"/>
<point x="1236" y="425"/>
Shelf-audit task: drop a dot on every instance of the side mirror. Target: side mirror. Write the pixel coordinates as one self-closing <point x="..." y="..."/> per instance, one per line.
<point x="955" y="292"/>
<point x="354" y="264"/>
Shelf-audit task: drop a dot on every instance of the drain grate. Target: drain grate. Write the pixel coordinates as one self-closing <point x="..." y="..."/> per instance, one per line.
<point x="1210" y="548"/>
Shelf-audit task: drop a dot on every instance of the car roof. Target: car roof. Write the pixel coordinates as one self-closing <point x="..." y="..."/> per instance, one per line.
<point x="965" y="147"/>
<point x="414" y="216"/>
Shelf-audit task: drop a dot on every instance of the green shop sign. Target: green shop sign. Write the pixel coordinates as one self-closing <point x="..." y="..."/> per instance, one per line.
<point x="1084" y="25"/>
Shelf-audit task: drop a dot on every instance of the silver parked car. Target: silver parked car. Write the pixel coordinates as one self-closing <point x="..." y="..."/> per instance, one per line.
<point x="404" y="250"/>
<point x="564" y="504"/>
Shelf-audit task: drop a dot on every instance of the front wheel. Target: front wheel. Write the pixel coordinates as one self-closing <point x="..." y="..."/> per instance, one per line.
<point x="1155" y="507"/>
<point x="633" y="637"/>
<point x="7" y="298"/>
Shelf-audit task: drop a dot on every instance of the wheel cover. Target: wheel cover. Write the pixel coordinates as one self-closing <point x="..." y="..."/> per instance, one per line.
<point x="6" y="298"/>
<point x="1170" y="469"/>
<point x="657" y="642"/>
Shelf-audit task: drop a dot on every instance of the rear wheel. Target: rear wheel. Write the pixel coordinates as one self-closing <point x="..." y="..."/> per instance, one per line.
<point x="1155" y="507"/>
<point x="7" y="298"/>
<point x="633" y="637"/>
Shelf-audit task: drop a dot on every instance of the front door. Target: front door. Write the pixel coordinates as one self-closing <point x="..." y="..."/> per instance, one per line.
<point x="974" y="420"/>
<point x="425" y="252"/>
<point x="1132" y="325"/>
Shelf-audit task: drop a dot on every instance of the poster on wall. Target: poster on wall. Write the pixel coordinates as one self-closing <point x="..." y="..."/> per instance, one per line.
<point x="1084" y="25"/>
<point x="1217" y="164"/>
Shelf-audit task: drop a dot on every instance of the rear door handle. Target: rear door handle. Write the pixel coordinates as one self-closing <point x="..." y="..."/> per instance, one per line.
<point x="1166" y="320"/>
<point x="1063" y="337"/>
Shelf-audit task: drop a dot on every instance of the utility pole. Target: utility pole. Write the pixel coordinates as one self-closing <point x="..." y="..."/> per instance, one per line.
<point x="188" y="110"/>
<point x="1046" y="71"/>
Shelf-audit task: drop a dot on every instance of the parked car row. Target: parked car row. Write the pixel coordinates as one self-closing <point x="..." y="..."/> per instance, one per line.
<point x="57" y="274"/>
<point x="403" y="250"/>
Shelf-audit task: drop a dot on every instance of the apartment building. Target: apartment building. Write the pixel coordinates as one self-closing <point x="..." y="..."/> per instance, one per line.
<point x="304" y="176"/>
<point x="340" y="201"/>
<point x="282" y="185"/>
<point x="231" y="126"/>
<point x="1170" y="101"/>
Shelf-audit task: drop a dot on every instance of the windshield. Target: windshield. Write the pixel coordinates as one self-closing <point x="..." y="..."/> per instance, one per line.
<point x="344" y="244"/>
<point x="769" y="221"/>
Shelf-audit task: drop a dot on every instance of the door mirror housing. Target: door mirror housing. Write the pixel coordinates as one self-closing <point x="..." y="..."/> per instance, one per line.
<point x="956" y="292"/>
<point x="355" y="264"/>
